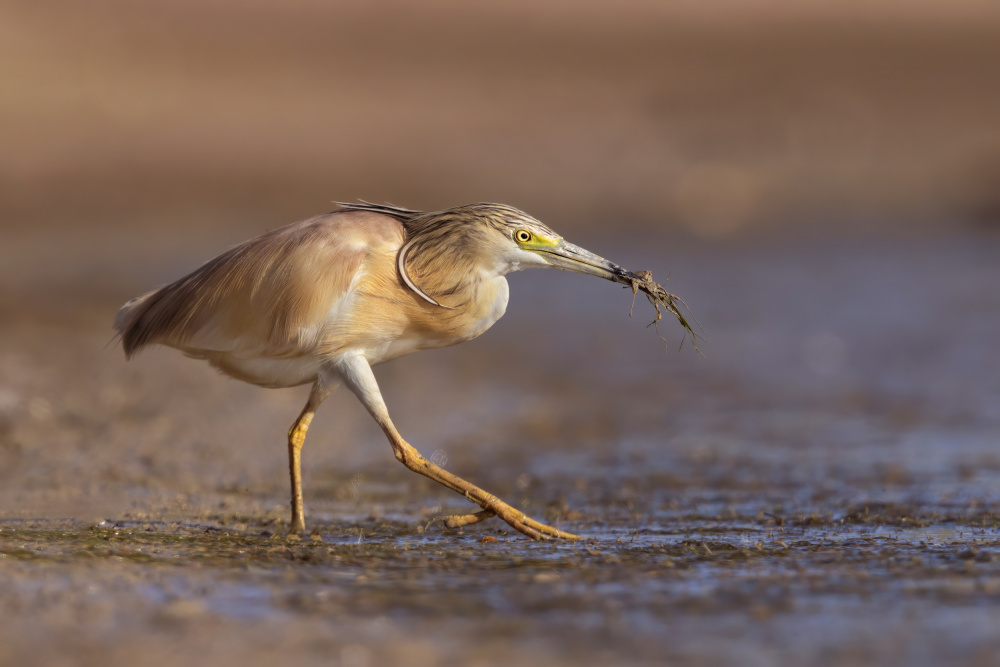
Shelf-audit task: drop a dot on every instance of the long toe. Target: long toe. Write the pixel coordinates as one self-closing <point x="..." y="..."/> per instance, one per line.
<point x="533" y="529"/>
<point x="459" y="520"/>
<point x="549" y="531"/>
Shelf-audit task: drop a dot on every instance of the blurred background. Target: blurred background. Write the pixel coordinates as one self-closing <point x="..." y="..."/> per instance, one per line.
<point x="715" y="119"/>
<point x="820" y="180"/>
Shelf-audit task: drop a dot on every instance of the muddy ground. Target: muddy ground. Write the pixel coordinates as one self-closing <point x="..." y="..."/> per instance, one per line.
<point x="822" y="486"/>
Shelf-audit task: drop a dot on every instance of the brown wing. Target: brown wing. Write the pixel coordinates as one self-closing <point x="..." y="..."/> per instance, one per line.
<point x="270" y="296"/>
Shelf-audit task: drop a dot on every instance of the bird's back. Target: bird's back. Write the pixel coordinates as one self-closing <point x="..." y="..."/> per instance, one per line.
<point x="269" y="296"/>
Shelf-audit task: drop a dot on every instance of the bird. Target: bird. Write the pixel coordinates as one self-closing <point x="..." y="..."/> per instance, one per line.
<point x="321" y="301"/>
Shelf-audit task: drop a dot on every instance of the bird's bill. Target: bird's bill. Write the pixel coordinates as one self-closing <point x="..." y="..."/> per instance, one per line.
<point x="568" y="257"/>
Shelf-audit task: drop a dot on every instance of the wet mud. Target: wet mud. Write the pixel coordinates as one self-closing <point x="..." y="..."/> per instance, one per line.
<point x="822" y="486"/>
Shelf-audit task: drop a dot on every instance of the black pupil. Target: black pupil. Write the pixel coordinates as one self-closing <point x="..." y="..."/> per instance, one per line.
<point x="524" y="236"/>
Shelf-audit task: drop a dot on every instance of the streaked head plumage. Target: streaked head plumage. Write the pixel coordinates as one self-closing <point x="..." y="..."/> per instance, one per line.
<point x="500" y="217"/>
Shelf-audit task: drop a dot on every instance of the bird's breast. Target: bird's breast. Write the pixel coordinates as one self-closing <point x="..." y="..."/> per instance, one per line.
<point x="428" y="326"/>
<point x="488" y="304"/>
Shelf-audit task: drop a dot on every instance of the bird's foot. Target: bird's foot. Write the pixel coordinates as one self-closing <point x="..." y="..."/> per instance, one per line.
<point x="517" y="520"/>
<point x="490" y="504"/>
<point x="533" y="529"/>
<point x="539" y="531"/>
<point x="296" y="529"/>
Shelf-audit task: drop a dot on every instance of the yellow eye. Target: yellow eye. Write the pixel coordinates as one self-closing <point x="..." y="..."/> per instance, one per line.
<point x="522" y="236"/>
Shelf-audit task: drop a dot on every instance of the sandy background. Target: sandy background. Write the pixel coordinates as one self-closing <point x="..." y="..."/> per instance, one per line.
<point x="820" y="180"/>
<point x="162" y="116"/>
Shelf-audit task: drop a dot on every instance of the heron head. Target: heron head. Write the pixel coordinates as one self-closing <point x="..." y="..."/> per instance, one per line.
<point x="528" y="243"/>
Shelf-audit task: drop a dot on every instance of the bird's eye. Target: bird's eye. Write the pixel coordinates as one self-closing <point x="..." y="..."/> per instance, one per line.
<point x="522" y="235"/>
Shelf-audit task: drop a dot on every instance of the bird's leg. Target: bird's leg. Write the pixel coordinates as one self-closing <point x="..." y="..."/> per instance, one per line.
<point x="491" y="505"/>
<point x="297" y="438"/>
<point x="357" y="373"/>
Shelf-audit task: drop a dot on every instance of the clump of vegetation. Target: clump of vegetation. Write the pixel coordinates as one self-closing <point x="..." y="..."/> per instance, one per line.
<point x="659" y="297"/>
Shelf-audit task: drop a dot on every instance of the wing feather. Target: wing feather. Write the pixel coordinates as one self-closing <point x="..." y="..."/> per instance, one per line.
<point x="270" y="296"/>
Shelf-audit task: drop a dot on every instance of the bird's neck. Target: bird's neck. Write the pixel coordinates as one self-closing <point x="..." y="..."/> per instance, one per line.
<point x="455" y="275"/>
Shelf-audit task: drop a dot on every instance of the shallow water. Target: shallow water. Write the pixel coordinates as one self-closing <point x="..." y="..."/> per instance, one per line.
<point x="822" y="486"/>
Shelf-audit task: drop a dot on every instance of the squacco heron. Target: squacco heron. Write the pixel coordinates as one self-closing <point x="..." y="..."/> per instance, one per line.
<point x="323" y="300"/>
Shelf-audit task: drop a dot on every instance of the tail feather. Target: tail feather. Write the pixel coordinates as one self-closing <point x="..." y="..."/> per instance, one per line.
<point x="128" y="323"/>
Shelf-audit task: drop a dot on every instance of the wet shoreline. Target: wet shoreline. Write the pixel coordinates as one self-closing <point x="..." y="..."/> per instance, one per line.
<point x="822" y="486"/>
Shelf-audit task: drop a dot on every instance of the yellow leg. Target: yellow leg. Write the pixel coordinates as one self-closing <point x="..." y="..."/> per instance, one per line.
<point x="358" y="376"/>
<point x="297" y="438"/>
<point x="492" y="506"/>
